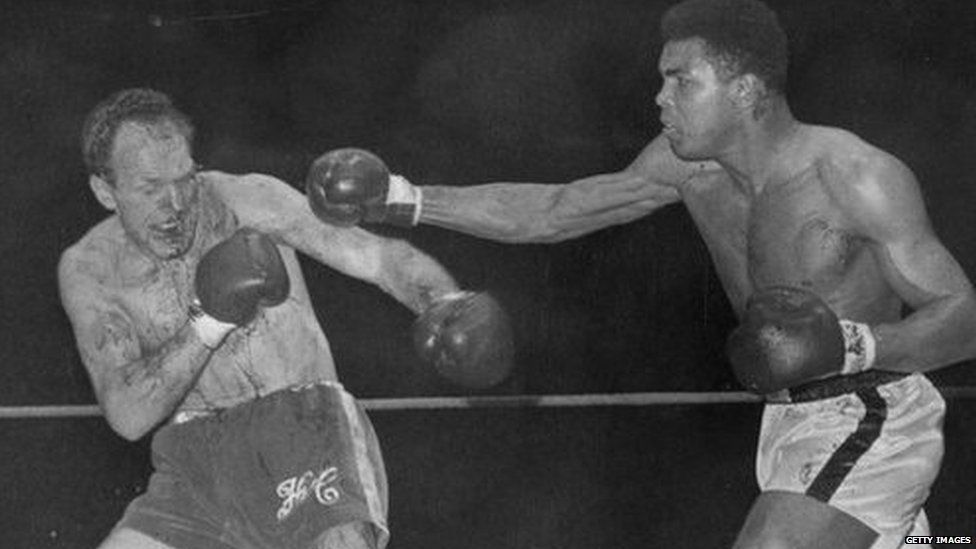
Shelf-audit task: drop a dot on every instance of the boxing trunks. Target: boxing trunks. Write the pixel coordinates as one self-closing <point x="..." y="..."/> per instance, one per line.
<point x="276" y="472"/>
<point x="868" y="444"/>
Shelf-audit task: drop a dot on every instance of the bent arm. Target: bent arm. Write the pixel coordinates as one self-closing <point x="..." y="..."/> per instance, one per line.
<point x="273" y="207"/>
<point x="137" y="387"/>
<point x="940" y="330"/>
<point x="535" y="212"/>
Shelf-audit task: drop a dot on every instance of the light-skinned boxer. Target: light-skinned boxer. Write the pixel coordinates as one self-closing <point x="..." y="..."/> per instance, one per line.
<point x="193" y="319"/>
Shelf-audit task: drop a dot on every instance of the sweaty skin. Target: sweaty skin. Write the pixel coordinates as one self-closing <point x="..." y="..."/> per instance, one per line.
<point x="777" y="202"/>
<point x="791" y="203"/>
<point x="128" y="283"/>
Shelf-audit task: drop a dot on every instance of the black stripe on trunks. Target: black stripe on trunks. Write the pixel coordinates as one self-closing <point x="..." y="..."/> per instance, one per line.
<point x="854" y="446"/>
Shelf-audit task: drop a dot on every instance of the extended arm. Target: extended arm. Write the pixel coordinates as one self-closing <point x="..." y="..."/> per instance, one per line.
<point x="532" y="212"/>
<point x="136" y="386"/>
<point x="274" y="208"/>
<point x="350" y="186"/>
<point x="940" y="330"/>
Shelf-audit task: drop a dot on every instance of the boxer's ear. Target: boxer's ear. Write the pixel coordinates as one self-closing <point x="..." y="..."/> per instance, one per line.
<point x="748" y="90"/>
<point x="104" y="191"/>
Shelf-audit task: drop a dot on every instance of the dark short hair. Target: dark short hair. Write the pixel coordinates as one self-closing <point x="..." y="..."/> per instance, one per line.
<point x="140" y="105"/>
<point x="743" y="36"/>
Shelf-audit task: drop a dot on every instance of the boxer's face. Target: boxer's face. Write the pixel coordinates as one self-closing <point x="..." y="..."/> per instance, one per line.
<point x="697" y="112"/>
<point x="156" y="190"/>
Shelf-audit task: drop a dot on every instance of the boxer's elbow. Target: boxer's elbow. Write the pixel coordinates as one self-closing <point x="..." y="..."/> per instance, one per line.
<point x="128" y="419"/>
<point x="128" y="427"/>
<point x="128" y="431"/>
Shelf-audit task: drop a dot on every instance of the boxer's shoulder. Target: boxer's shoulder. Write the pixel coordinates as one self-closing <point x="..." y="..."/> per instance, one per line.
<point x="847" y="158"/>
<point x="96" y="254"/>
<point x="247" y="185"/>
<point x="863" y="182"/>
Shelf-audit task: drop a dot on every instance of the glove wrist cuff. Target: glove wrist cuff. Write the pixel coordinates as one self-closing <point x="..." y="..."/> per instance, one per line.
<point x="210" y="330"/>
<point x="860" y="347"/>
<point x="403" y="202"/>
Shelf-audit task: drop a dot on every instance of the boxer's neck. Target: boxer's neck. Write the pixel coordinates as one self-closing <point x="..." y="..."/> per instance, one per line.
<point x="759" y="145"/>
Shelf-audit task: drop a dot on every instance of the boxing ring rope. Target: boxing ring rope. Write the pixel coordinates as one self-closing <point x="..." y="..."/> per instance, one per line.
<point x="500" y="401"/>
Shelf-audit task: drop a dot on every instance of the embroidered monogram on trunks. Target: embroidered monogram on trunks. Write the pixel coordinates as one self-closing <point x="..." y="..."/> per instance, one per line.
<point x="296" y="490"/>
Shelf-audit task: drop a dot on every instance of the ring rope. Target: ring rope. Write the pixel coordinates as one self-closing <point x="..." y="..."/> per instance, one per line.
<point x="500" y="401"/>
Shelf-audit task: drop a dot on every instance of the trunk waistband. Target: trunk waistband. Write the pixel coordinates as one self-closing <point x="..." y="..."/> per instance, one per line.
<point x="834" y="386"/>
<point x="184" y="416"/>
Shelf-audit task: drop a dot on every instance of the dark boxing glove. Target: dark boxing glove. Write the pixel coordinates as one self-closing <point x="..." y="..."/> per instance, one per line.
<point x="348" y="186"/>
<point x="789" y="336"/>
<point x="234" y="279"/>
<point x="468" y="338"/>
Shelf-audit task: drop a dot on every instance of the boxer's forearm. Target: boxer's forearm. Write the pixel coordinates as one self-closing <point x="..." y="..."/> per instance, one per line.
<point x="412" y="277"/>
<point x="138" y="395"/>
<point x="937" y="335"/>
<point x="506" y="212"/>
<point x="540" y="213"/>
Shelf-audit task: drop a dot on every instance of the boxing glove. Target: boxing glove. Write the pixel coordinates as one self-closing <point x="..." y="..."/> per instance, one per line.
<point x="468" y="338"/>
<point x="789" y="336"/>
<point x="234" y="279"/>
<point x="348" y="186"/>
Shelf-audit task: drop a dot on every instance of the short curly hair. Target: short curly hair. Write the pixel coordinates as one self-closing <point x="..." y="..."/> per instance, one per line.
<point x="742" y="36"/>
<point x="140" y="105"/>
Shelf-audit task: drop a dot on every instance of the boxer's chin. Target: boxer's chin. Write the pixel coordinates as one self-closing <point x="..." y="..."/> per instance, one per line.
<point x="685" y="150"/>
<point x="171" y="244"/>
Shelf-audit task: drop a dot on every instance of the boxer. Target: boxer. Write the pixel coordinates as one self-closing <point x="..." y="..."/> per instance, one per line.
<point x="851" y="438"/>
<point x="194" y="322"/>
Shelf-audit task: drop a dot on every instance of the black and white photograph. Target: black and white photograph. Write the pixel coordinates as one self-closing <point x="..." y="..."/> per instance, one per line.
<point x="487" y="274"/>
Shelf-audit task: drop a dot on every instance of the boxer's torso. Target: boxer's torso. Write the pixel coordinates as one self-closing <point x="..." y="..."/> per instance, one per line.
<point x="283" y="346"/>
<point x="796" y="231"/>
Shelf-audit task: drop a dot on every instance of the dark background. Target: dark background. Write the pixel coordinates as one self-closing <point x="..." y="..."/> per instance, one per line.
<point x="457" y="92"/>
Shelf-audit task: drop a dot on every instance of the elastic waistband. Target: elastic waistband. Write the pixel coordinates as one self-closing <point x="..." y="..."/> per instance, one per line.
<point x="834" y="386"/>
<point x="184" y="416"/>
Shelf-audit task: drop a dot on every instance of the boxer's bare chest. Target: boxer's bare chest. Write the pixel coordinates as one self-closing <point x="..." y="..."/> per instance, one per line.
<point x="157" y="298"/>
<point x="793" y="232"/>
<point x="797" y="234"/>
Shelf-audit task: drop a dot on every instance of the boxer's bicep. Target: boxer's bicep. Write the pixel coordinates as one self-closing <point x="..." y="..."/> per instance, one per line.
<point x="264" y="203"/>
<point x="537" y="212"/>
<point x="276" y="209"/>
<point x="924" y="274"/>
<point x="650" y="182"/>
<point x="921" y="269"/>
<point x="891" y="212"/>
<point x="601" y="201"/>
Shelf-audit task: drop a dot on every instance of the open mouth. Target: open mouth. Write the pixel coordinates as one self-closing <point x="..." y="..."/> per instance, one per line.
<point x="170" y="229"/>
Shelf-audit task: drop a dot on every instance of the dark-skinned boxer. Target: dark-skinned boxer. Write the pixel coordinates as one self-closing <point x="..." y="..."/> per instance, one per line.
<point x="847" y="455"/>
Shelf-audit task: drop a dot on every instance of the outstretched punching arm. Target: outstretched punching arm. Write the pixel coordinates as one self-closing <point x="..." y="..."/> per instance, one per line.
<point x="507" y="212"/>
